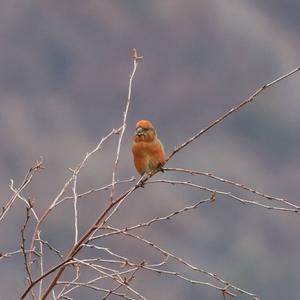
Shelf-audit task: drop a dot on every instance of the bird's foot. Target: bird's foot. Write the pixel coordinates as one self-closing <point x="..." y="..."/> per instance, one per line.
<point x="160" y="168"/>
<point x="141" y="184"/>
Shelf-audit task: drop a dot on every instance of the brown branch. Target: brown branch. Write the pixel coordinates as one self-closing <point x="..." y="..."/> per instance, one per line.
<point x="57" y="201"/>
<point x="34" y="282"/>
<point x="136" y="59"/>
<point x="23" y="245"/>
<point x="73" y="251"/>
<point x="95" y="288"/>
<point x="231" y="111"/>
<point x="116" y="277"/>
<point x="114" y="204"/>
<point x="103" y="188"/>
<point x="157" y="219"/>
<point x="77" y="246"/>
<point x="51" y="248"/>
<point x="187" y="264"/>
<point x="126" y="281"/>
<point x="39" y="165"/>
<point x="227" y="194"/>
<point x="236" y="184"/>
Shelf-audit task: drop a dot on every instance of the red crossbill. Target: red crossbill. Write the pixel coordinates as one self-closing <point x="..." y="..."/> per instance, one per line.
<point x="148" y="151"/>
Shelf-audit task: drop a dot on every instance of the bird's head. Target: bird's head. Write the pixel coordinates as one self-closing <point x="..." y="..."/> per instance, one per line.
<point x="144" y="131"/>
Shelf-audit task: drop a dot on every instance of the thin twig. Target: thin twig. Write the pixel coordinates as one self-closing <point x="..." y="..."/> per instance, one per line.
<point x="10" y="254"/>
<point x="185" y="278"/>
<point x="89" y="285"/>
<point x="112" y="207"/>
<point x="23" y="249"/>
<point x="41" y="263"/>
<point x="154" y="220"/>
<point x="62" y="191"/>
<point x="28" y="202"/>
<point x="184" y="262"/>
<point x="231" y="111"/>
<point x="76" y="248"/>
<point x="103" y="188"/>
<point x="36" y="167"/>
<point x="236" y="184"/>
<point x="227" y="194"/>
<point x="114" y="277"/>
<point x="62" y="293"/>
<point x="51" y="248"/>
<point x="75" y="208"/>
<point x="136" y="59"/>
<point x="127" y="281"/>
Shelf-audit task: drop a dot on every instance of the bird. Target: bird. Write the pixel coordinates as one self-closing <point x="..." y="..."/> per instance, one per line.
<point x="148" y="151"/>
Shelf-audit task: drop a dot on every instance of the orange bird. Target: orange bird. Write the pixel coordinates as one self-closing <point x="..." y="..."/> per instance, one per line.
<point x="148" y="151"/>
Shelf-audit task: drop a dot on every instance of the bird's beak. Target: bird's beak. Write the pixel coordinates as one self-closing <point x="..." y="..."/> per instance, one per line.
<point x="139" y="131"/>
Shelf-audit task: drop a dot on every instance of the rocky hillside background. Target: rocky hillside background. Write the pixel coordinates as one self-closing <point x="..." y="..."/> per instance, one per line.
<point x="64" y="69"/>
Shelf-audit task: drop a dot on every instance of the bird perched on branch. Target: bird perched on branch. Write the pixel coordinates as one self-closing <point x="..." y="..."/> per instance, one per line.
<point x="148" y="151"/>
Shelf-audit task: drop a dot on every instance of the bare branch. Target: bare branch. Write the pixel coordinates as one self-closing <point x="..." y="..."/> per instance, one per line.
<point x="187" y="264"/>
<point x="23" y="248"/>
<point x="154" y="220"/>
<point x="227" y="194"/>
<point x="62" y="191"/>
<point x="111" y="268"/>
<point x="236" y="184"/>
<point x="231" y="111"/>
<point x="114" y="277"/>
<point x="51" y="248"/>
<point x="75" y="208"/>
<point x="136" y="60"/>
<point x="89" y="285"/>
<point x="104" y="188"/>
<point x="76" y="248"/>
<point x="36" y="167"/>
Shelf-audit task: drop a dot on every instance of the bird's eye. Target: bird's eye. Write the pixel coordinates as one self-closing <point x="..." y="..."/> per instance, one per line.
<point x="143" y="130"/>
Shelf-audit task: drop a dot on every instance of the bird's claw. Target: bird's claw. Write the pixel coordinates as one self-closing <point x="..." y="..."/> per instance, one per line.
<point x="141" y="184"/>
<point x="160" y="168"/>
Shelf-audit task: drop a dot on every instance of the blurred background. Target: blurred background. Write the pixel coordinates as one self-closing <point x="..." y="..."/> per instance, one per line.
<point x="64" y="70"/>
